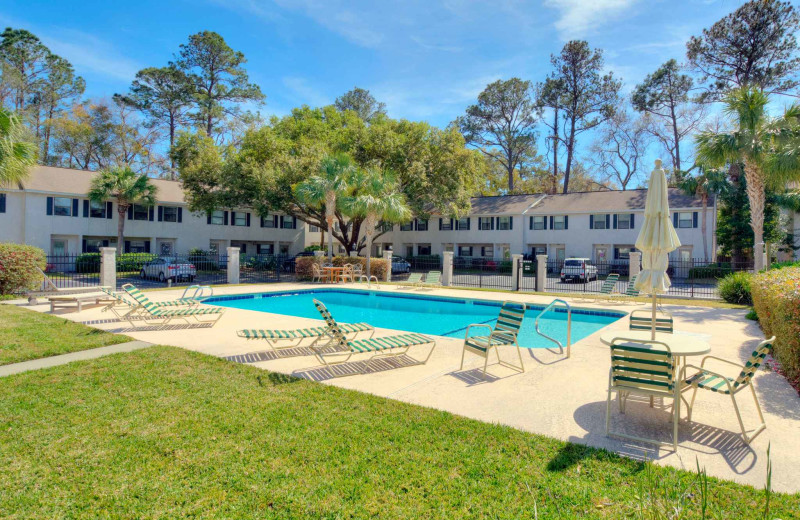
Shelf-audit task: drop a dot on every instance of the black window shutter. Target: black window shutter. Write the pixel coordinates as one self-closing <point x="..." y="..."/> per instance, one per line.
<point x="180" y="214"/>
<point x="275" y="221"/>
<point x="511" y="222"/>
<point x="591" y="221"/>
<point x="566" y="221"/>
<point x="208" y="218"/>
<point x="608" y="220"/>
<point x="694" y="219"/>
<point x="127" y="248"/>
<point x="146" y="246"/>
<point x="440" y="223"/>
<point x="415" y="225"/>
<point x="49" y="205"/>
<point x="675" y="220"/>
<point x="294" y="222"/>
<point x="492" y="219"/>
<point x="83" y="245"/>
<point x="105" y="243"/>
<point x="615" y="221"/>
<point x="248" y="219"/>
<point x="530" y="223"/>
<point x="451" y="224"/>
<point x="233" y="218"/>
<point x="243" y="248"/>
<point x="551" y="221"/>
<point x="280" y="222"/>
<point x="151" y="213"/>
<point x="161" y="213"/>
<point x="225" y="218"/>
<point x="85" y="208"/>
<point x="74" y="207"/>
<point x="632" y="221"/>
<point x="2" y="202"/>
<point x="109" y="208"/>
<point x="130" y="212"/>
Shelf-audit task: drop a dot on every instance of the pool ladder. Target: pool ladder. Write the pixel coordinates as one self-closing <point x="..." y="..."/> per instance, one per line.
<point x="569" y="325"/>
<point x="199" y="292"/>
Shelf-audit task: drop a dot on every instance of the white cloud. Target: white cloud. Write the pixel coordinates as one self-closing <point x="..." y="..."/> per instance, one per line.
<point x="87" y="52"/>
<point x="305" y="93"/>
<point x="580" y="17"/>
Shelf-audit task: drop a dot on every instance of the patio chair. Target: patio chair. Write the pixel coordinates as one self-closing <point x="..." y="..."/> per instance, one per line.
<point x="119" y="305"/>
<point x="273" y="336"/>
<point x="644" y="368"/>
<point x="393" y="346"/>
<point x="149" y="310"/>
<point x="630" y="293"/>
<point x="347" y="273"/>
<point x="607" y="288"/>
<point x="708" y="380"/>
<point x="642" y="319"/>
<point x="49" y="288"/>
<point x="358" y="272"/>
<point x="316" y="274"/>
<point x="139" y="296"/>
<point x="504" y="333"/>
<point x="414" y="279"/>
<point x="432" y="279"/>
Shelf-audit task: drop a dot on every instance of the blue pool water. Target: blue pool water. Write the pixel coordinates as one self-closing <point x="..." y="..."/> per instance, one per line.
<point x="417" y="313"/>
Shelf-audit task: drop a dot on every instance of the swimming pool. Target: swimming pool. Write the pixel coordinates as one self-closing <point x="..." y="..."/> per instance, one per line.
<point x="441" y="316"/>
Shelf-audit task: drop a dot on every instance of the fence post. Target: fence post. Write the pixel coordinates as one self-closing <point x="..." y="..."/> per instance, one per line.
<point x="447" y="268"/>
<point x="541" y="273"/>
<point x="387" y="255"/>
<point x="516" y="262"/>
<point x="635" y="264"/>
<point x="108" y="267"/>
<point x="233" y="265"/>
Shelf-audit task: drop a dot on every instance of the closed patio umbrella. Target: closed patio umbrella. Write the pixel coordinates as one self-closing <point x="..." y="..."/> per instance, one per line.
<point x="656" y="240"/>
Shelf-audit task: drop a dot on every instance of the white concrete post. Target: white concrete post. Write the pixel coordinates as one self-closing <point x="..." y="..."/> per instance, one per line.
<point x="233" y="265"/>
<point x="635" y="264"/>
<point x="516" y="261"/>
<point x="387" y="255"/>
<point x="541" y="273"/>
<point x="447" y="268"/>
<point x="108" y="267"/>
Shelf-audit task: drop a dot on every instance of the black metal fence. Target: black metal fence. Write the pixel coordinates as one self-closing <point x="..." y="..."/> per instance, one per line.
<point x="402" y="269"/>
<point x="147" y="270"/>
<point x="266" y="268"/>
<point x="71" y="271"/>
<point x="482" y="272"/>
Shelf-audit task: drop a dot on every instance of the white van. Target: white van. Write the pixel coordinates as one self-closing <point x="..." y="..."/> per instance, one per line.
<point x="578" y="269"/>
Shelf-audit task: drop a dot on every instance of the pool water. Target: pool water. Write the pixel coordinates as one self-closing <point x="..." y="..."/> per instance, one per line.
<point x="418" y="313"/>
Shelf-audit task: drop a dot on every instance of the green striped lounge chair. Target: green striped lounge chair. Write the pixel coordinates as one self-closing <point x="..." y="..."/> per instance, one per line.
<point x="414" y="279"/>
<point x="394" y="345"/>
<point x="432" y="279"/>
<point x="645" y="368"/>
<point x="631" y="291"/>
<point x="119" y="305"/>
<point x="607" y="288"/>
<point x="136" y="294"/>
<point x="290" y="338"/>
<point x="721" y="384"/>
<point x="166" y="313"/>
<point x="504" y="333"/>
<point x="642" y="319"/>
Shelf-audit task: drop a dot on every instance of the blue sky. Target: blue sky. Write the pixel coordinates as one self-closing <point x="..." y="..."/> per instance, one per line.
<point x="427" y="60"/>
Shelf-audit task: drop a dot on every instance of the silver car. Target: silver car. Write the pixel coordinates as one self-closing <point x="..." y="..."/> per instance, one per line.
<point x="165" y="269"/>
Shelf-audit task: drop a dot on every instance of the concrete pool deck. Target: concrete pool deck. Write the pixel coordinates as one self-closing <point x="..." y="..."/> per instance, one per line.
<point x="557" y="397"/>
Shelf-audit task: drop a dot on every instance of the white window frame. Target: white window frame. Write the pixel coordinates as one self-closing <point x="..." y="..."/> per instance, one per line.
<point x="503" y="223"/>
<point x="56" y="206"/>
<point x="218" y="218"/>
<point x="485" y="223"/>
<point x="407" y="226"/>
<point x="559" y="224"/>
<point x="599" y="218"/>
<point x="626" y="217"/>
<point x="174" y="216"/>
<point x="97" y="209"/>
<point x="240" y="219"/>
<point x="422" y="224"/>
<point x="681" y="220"/>
<point x="140" y="207"/>
<point x="537" y="222"/>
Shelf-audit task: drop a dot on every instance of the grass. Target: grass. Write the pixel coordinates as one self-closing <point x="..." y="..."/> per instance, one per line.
<point x="26" y="335"/>
<point x="167" y="433"/>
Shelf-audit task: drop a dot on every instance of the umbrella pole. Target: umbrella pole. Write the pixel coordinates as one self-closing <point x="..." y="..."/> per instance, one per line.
<point x="653" y="329"/>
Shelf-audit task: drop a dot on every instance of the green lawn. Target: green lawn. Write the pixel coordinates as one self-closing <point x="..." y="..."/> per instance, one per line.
<point x="167" y="433"/>
<point x="26" y="334"/>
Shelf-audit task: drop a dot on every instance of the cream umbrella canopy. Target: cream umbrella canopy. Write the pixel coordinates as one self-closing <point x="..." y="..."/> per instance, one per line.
<point x="656" y="240"/>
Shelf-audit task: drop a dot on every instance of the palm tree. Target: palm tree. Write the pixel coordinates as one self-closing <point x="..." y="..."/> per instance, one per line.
<point x="17" y="152"/>
<point x="704" y="184"/>
<point x="766" y="146"/>
<point x="377" y="199"/>
<point x="127" y="188"/>
<point x="323" y="189"/>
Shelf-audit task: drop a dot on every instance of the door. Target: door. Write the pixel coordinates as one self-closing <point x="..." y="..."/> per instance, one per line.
<point x="58" y="247"/>
<point x="601" y="254"/>
<point x="561" y="254"/>
<point x="166" y="248"/>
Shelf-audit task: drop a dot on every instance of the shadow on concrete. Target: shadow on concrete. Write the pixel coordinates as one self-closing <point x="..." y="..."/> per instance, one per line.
<point x="370" y="366"/>
<point x="474" y="376"/>
<point x="153" y="328"/>
<point x="271" y="355"/>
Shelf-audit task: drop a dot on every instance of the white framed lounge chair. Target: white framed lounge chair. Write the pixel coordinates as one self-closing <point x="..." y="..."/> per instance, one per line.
<point x="340" y="349"/>
<point x="165" y="313"/>
<point x="504" y="333"/>
<point x="279" y="339"/>
<point x="414" y="279"/>
<point x="78" y="300"/>
<point x="432" y="279"/>
<point x="139" y="296"/>
<point x="630" y="293"/>
<point x="49" y="288"/>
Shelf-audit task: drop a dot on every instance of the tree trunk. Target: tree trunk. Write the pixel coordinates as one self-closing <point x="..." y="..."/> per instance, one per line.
<point x="121" y="211"/>
<point x="677" y="158"/>
<point x="554" y="188"/>
<point x="703" y="226"/>
<point x="330" y="208"/>
<point x="510" y="172"/>
<point x="370" y="231"/>
<point x="757" y="197"/>
<point x="570" y="148"/>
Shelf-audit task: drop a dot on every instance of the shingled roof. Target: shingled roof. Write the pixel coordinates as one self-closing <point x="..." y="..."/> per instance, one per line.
<point x="609" y="201"/>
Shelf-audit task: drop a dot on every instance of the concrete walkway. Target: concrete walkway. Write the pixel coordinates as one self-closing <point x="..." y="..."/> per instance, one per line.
<point x="63" y="359"/>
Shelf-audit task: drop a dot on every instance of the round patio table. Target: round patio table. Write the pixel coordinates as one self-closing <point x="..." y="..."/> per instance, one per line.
<point x="333" y="273"/>
<point x="681" y="345"/>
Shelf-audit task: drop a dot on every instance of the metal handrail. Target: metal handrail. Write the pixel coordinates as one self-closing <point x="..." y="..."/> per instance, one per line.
<point x="199" y="292"/>
<point x="569" y="325"/>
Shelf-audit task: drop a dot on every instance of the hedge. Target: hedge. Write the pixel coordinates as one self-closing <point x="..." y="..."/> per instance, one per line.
<point x="710" y="271"/>
<point x="735" y="288"/>
<point x="302" y="267"/>
<point x="18" y="265"/>
<point x="126" y="262"/>
<point x="776" y="299"/>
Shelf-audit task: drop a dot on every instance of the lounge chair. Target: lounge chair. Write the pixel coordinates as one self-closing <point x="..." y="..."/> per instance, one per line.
<point x="296" y="336"/>
<point x="630" y="293"/>
<point x="149" y="310"/>
<point x="139" y="296"/>
<point x="607" y="288"/>
<point x="49" y="288"/>
<point x="642" y="319"/>
<point x="395" y="345"/>
<point x="414" y="279"/>
<point x="77" y="300"/>
<point x="504" y="333"/>
<point x="432" y="279"/>
<point x="122" y="307"/>
<point x="708" y="380"/>
<point x="645" y="368"/>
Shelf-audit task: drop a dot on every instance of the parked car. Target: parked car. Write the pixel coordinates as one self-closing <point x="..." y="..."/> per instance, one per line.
<point x="578" y="269"/>
<point x="289" y="263"/>
<point x="165" y="269"/>
<point x="400" y="265"/>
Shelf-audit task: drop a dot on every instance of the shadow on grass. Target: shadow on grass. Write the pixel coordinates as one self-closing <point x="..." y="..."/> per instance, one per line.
<point x="276" y="378"/>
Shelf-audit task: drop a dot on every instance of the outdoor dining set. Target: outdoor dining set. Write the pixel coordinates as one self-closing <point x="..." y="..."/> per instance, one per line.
<point x="329" y="273"/>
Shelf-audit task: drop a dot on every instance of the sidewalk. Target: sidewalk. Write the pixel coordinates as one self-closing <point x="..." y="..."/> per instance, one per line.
<point x="63" y="359"/>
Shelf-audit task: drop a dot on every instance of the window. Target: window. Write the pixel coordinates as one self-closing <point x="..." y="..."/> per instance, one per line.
<point x="685" y="219"/>
<point x="239" y="219"/>
<point x="166" y="248"/>
<point x="538" y="250"/>
<point x="97" y="209"/>
<point x="213" y="248"/>
<point x="504" y="223"/>
<point x="384" y="227"/>
<point x="538" y="222"/>
<point x="265" y="249"/>
<point x="685" y="254"/>
<point x="409" y="251"/>
<point x="422" y="224"/>
<point x="92" y="245"/>
<point x="408" y="226"/>
<point x="598" y="221"/>
<point x="464" y="250"/>
<point x="284" y="248"/>
<point x="462" y="224"/>
<point x="424" y="249"/>
<point x="485" y="223"/>
<point x="137" y="246"/>
<point x="446" y="224"/>
<point x="311" y="228"/>
<point x="559" y="222"/>
<point x="140" y="213"/>
<point x="623" y="252"/>
<point x="2" y="202"/>
<point x="288" y="222"/>
<point x="62" y="206"/>
<point x="487" y="251"/>
<point x="170" y="213"/>
<point x="624" y="221"/>
<point x="217" y="218"/>
<point x="268" y="221"/>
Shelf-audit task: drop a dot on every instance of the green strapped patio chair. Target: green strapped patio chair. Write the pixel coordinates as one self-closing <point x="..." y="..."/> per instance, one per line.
<point x="708" y="380"/>
<point x="295" y="336"/>
<point x="414" y="279"/>
<point x="504" y="333"/>
<point x="395" y="345"/>
<point x="642" y="319"/>
<point x="644" y="368"/>
<point x="432" y="279"/>
<point x="119" y="305"/>
<point x="138" y="295"/>
<point x="148" y="310"/>
<point x="607" y="288"/>
<point x="630" y="293"/>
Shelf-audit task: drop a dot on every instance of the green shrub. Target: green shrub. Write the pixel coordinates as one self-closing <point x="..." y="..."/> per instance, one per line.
<point x="735" y="288"/>
<point x="203" y="260"/>
<point x="133" y="262"/>
<point x="719" y="270"/>
<point x="18" y="265"/>
<point x="751" y="315"/>
<point x="776" y="300"/>
<point x="88" y="263"/>
<point x="783" y="265"/>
